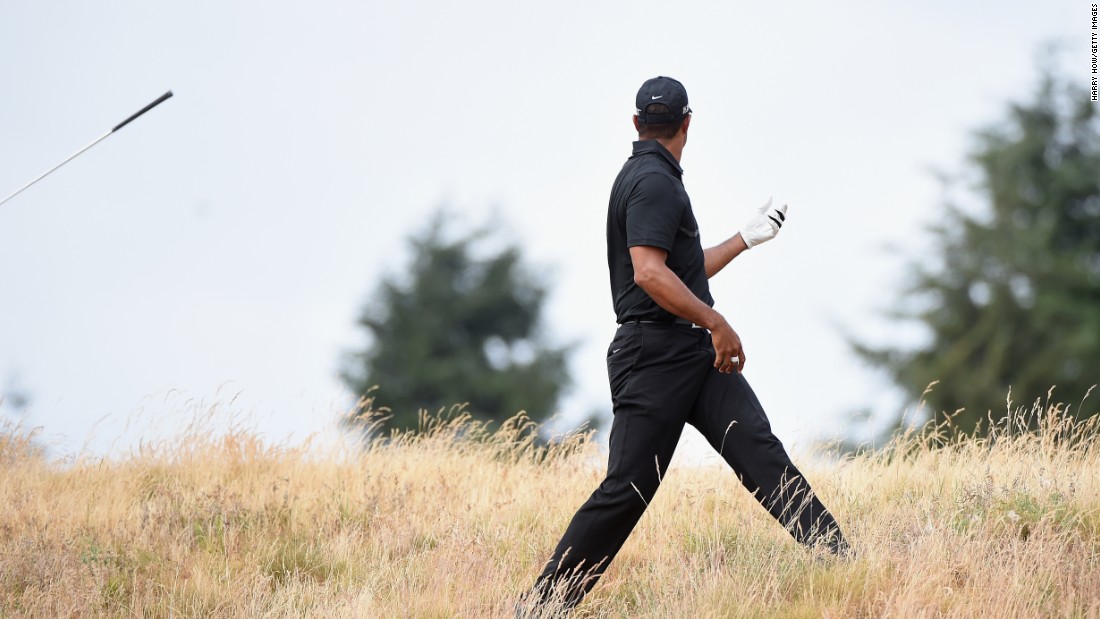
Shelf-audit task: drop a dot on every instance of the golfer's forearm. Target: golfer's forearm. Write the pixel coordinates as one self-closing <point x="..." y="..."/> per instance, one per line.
<point x="662" y="285"/>
<point x="716" y="258"/>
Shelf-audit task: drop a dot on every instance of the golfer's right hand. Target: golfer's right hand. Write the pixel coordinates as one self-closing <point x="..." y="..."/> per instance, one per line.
<point x="728" y="354"/>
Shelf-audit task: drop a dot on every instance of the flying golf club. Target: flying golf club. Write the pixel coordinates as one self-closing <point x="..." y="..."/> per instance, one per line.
<point x="120" y="125"/>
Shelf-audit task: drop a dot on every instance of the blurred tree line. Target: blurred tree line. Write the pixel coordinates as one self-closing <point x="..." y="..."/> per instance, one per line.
<point x="1011" y="295"/>
<point x="462" y="326"/>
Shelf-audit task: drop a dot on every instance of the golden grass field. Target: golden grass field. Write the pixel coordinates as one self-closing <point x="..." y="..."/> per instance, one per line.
<point x="456" y="523"/>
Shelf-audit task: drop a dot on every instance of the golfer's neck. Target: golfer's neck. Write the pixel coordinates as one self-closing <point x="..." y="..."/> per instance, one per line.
<point x="675" y="146"/>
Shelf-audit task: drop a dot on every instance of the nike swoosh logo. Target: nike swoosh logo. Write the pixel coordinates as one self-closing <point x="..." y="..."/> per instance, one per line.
<point x="616" y="350"/>
<point x="656" y="97"/>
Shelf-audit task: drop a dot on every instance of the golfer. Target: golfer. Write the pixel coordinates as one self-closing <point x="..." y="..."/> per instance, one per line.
<point x="673" y="360"/>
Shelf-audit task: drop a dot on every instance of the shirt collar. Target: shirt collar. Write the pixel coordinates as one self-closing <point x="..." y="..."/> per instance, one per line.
<point x="644" y="147"/>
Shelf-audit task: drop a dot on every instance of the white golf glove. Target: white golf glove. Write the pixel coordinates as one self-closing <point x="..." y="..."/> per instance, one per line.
<point x="764" y="225"/>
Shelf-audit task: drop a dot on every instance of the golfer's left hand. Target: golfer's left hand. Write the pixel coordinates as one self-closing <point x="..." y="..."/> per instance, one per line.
<point x="764" y="225"/>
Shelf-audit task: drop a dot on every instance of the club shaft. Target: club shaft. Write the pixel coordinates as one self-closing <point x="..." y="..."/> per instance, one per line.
<point x="122" y="124"/>
<point x="47" y="172"/>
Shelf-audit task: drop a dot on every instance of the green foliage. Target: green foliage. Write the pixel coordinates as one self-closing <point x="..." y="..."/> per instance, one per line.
<point x="1014" y="303"/>
<point x="462" y="327"/>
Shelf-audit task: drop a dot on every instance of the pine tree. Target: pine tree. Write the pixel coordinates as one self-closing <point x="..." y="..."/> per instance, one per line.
<point x="1013" y="301"/>
<point x="462" y="327"/>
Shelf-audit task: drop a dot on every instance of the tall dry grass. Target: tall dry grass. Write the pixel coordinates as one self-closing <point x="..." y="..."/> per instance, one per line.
<point x="456" y="523"/>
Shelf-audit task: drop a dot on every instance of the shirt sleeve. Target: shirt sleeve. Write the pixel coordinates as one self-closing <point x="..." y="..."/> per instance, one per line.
<point x="653" y="213"/>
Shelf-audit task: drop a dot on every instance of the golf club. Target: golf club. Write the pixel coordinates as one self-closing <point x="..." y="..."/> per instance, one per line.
<point x="120" y="125"/>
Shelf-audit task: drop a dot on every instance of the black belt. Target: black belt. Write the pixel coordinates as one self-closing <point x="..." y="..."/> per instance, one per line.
<point x="675" y="321"/>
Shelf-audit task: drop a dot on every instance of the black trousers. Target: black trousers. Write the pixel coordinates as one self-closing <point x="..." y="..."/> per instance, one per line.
<point x="662" y="376"/>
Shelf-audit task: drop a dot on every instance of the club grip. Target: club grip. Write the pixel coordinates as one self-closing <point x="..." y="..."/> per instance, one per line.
<point x="152" y="105"/>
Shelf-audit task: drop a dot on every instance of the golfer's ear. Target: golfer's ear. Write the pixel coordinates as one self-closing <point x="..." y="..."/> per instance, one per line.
<point x="687" y="121"/>
<point x="637" y="125"/>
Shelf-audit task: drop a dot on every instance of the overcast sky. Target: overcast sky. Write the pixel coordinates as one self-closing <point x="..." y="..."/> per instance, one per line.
<point x="222" y="245"/>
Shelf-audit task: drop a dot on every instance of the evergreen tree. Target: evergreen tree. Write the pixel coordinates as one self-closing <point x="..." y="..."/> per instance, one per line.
<point x="1014" y="301"/>
<point x="462" y="327"/>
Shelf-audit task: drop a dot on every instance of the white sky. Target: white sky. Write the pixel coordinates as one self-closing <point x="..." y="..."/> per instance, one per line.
<point x="223" y="244"/>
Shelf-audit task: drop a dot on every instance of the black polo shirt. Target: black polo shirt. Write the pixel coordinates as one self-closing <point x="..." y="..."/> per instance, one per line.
<point x="649" y="206"/>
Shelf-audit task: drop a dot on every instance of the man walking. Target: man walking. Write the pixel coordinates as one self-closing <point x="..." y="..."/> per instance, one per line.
<point x="673" y="360"/>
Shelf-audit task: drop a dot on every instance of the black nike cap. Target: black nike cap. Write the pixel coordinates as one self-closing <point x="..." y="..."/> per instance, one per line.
<point x="665" y="90"/>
